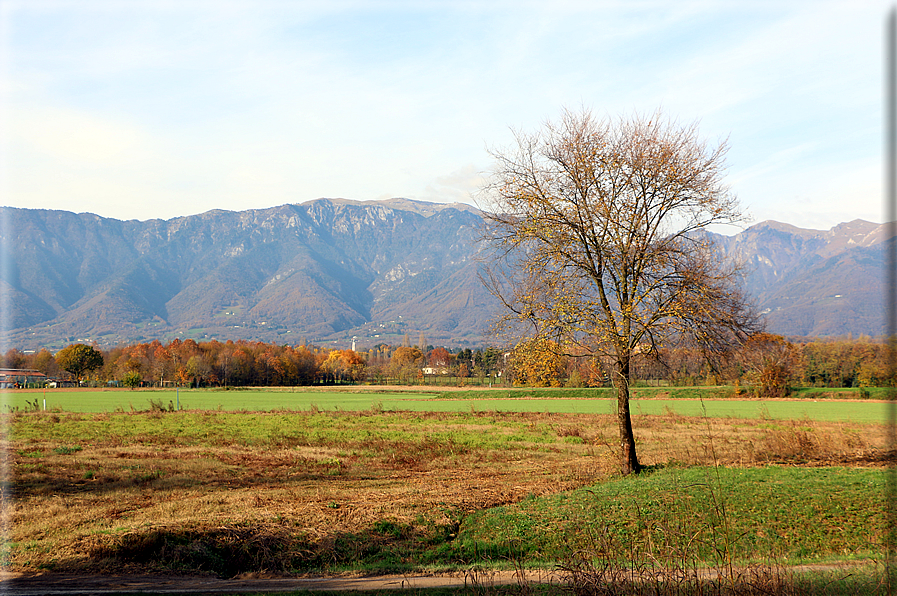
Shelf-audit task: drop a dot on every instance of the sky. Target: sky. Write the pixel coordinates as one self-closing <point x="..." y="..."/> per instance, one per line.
<point x="142" y="109"/>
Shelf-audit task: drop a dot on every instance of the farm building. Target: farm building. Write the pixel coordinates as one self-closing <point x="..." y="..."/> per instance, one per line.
<point x="20" y="377"/>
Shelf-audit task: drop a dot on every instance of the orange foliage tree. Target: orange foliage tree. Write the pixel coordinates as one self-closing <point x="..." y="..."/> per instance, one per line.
<point x="405" y="363"/>
<point x="344" y="365"/>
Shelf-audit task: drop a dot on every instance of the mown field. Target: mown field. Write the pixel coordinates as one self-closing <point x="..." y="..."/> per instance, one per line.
<point x="322" y="486"/>
<point x="815" y="404"/>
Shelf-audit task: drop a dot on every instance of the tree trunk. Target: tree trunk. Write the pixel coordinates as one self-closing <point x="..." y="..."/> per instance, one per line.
<point x="628" y="457"/>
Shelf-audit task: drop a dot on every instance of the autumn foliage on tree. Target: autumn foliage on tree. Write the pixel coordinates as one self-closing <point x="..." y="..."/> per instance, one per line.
<point x="344" y="365"/>
<point x="596" y="230"/>
<point x="439" y="357"/>
<point x="766" y="364"/>
<point x="213" y="363"/>
<point x="845" y="363"/>
<point x="537" y="362"/>
<point x="769" y="361"/>
<point x="78" y="359"/>
<point x="405" y="363"/>
<point x="405" y="356"/>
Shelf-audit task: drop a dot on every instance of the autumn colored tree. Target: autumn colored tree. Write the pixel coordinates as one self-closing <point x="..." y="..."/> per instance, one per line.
<point x="45" y="362"/>
<point x="439" y="357"/>
<point x="266" y="361"/>
<point x="405" y="363"/>
<point x="353" y="365"/>
<point x="162" y="366"/>
<point x="78" y="359"/>
<point x="596" y="226"/>
<point x="404" y="356"/>
<point x="240" y="366"/>
<point x="344" y="365"/>
<point x="13" y="359"/>
<point x="537" y="362"/>
<point x="844" y="363"/>
<point x="592" y="372"/>
<point x="299" y="365"/>
<point x="769" y="360"/>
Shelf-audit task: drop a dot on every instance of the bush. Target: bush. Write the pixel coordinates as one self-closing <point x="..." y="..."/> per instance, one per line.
<point x="132" y="379"/>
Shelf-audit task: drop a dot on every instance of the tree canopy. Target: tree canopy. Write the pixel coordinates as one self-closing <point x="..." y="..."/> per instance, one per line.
<point x="596" y="229"/>
<point x="78" y="359"/>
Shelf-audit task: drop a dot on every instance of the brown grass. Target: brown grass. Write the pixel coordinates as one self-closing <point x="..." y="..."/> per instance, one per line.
<point x="87" y="510"/>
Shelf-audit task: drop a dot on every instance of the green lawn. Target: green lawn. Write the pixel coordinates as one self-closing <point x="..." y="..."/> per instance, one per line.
<point x="200" y="399"/>
<point x="498" y="400"/>
<point x="708" y="514"/>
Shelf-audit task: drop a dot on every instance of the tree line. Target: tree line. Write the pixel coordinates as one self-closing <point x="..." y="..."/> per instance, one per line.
<point x="252" y="364"/>
<point x="768" y="363"/>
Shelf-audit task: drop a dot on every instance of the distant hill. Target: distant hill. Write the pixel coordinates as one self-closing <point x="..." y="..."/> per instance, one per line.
<point x="331" y="269"/>
<point x="816" y="283"/>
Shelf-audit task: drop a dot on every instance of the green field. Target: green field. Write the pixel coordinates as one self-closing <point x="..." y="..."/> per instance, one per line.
<point x="801" y="514"/>
<point x="498" y="400"/>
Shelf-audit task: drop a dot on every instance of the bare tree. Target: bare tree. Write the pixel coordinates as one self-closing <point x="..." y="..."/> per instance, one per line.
<point x="596" y="227"/>
<point x="769" y="361"/>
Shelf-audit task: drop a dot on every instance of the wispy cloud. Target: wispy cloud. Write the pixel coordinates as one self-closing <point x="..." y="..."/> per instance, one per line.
<point x="157" y="109"/>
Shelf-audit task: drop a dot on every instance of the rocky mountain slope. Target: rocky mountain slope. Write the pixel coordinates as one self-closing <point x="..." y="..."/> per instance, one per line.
<point x="816" y="283"/>
<point x="328" y="270"/>
<point x="323" y="269"/>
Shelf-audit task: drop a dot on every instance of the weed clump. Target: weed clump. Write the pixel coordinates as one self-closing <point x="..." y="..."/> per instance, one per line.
<point x="156" y="405"/>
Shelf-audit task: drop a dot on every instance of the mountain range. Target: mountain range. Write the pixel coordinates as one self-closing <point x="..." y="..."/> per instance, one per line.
<point x="814" y="283"/>
<point x="328" y="270"/>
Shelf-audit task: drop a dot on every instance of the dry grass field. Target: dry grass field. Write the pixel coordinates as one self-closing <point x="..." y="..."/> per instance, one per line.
<point x="234" y="493"/>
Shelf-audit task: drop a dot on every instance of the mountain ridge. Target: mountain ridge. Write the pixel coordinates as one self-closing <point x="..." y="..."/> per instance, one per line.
<point x="331" y="269"/>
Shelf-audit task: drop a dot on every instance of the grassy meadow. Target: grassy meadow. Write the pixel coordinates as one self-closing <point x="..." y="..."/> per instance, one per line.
<point x="715" y="402"/>
<point x="281" y="482"/>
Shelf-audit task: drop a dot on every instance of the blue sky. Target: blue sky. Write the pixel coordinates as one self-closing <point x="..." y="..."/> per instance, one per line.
<point x="156" y="109"/>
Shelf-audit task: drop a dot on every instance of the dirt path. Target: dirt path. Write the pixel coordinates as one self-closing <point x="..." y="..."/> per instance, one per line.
<point x="56" y="584"/>
<point x="17" y="584"/>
